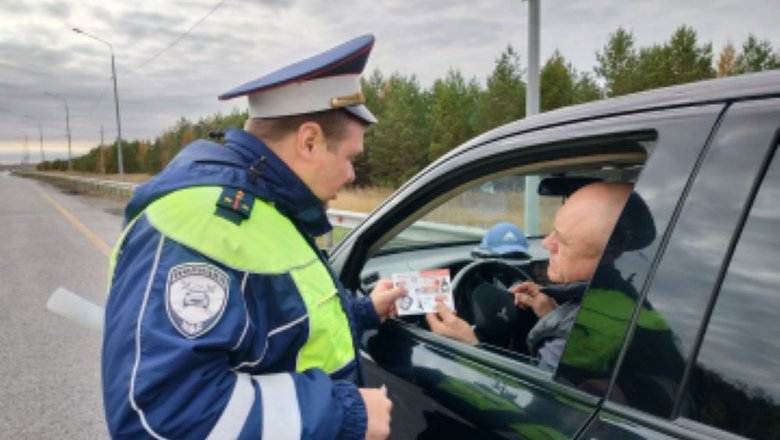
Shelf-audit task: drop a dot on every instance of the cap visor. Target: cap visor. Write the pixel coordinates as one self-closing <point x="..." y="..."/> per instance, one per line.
<point x="512" y="250"/>
<point x="361" y="112"/>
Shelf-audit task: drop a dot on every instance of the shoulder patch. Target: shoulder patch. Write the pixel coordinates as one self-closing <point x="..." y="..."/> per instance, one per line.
<point x="195" y="297"/>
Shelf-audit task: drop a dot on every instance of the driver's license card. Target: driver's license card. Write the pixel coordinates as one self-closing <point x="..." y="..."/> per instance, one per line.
<point x="423" y="288"/>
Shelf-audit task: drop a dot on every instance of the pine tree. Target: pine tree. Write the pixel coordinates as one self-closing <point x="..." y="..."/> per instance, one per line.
<point x="400" y="147"/>
<point x="617" y="63"/>
<point x="680" y="60"/>
<point x="504" y="99"/>
<point x="688" y="61"/>
<point x="557" y="84"/>
<point x="586" y="89"/>
<point x="372" y="89"/>
<point x="757" y="56"/>
<point x="453" y="103"/>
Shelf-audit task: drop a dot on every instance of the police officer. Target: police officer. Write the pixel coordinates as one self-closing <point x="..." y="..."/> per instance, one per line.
<point x="223" y="319"/>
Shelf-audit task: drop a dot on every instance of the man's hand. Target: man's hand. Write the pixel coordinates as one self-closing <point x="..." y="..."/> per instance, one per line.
<point x="446" y="323"/>
<point x="384" y="296"/>
<point x="378" y="408"/>
<point x="528" y="294"/>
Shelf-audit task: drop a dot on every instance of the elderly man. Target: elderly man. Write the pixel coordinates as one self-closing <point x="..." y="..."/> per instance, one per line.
<point x="223" y="319"/>
<point x="580" y="233"/>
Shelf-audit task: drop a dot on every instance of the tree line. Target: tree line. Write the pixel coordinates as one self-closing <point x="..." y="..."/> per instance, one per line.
<point x="418" y="124"/>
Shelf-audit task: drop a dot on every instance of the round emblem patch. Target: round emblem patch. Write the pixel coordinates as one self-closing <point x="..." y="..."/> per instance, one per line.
<point x="195" y="297"/>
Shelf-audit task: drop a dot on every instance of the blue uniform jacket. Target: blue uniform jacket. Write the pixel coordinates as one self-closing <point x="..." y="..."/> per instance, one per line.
<point x="232" y="373"/>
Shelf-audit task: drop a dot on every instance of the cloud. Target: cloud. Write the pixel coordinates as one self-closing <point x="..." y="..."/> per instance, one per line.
<point x="56" y="9"/>
<point x="140" y="26"/>
<point x="244" y="39"/>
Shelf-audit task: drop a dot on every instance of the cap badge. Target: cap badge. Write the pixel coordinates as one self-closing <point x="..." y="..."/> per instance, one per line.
<point x="343" y="101"/>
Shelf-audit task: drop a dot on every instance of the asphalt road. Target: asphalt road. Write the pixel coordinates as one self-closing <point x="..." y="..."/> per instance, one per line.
<point x="49" y="368"/>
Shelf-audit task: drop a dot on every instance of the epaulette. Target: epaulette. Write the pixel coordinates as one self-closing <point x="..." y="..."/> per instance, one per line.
<point x="235" y="205"/>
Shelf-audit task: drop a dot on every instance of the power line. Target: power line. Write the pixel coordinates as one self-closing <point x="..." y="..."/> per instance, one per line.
<point x="20" y="69"/>
<point x="182" y="36"/>
<point x="165" y="49"/>
<point x="99" y="100"/>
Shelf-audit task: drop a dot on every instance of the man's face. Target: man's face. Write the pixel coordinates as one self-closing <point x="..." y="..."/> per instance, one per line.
<point x="572" y="254"/>
<point x="334" y="166"/>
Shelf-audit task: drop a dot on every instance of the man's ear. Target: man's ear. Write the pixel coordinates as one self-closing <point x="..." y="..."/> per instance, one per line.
<point x="309" y="136"/>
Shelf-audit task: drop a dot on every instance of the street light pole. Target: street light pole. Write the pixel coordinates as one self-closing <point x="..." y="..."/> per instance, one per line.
<point x="26" y="155"/>
<point x="531" y="211"/>
<point x="102" y="155"/>
<point x="40" y="131"/>
<point x="116" y="103"/>
<point x="67" y="124"/>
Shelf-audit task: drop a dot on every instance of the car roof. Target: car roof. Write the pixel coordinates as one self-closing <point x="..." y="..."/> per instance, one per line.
<point x="741" y="87"/>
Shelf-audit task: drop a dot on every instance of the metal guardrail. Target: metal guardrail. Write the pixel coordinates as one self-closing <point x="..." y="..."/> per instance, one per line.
<point x="81" y="183"/>
<point x="345" y="219"/>
<point x="430" y="232"/>
<point x="420" y="231"/>
<point x="341" y="219"/>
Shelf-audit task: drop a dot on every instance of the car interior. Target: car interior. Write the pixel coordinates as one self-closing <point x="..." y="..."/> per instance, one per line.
<point x="446" y="233"/>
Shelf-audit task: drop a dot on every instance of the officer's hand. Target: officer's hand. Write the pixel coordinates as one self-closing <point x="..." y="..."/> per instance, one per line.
<point x="384" y="296"/>
<point x="446" y="323"/>
<point x="378" y="408"/>
<point x="528" y="294"/>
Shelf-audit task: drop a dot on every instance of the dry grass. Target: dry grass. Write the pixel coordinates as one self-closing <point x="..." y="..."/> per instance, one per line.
<point x="132" y="178"/>
<point x="360" y="199"/>
<point x="471" y="208"/>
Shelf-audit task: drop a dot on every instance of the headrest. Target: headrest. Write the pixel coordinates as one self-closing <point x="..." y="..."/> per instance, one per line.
<point x="563" y="186"/>
<point x="635" y="228"/>
<point x="562" y="293"/>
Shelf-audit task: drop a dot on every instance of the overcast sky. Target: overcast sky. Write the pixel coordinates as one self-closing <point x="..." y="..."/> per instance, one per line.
<point x="243" y="39"/>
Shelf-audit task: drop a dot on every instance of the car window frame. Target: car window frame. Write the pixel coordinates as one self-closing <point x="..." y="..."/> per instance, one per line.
<point x="769" y="155"/>
<point x="526" y="147"/>
<point x="664" y="231"/>
<point x="758" y="179"/>
<point x="677" y="425"/>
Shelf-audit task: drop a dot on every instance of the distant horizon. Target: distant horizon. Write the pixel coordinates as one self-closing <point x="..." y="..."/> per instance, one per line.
<point x="15" y="158"/>
<point x="13" y="151"/>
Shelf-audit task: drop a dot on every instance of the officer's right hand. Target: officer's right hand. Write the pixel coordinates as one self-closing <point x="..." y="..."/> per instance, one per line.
<point x="384" y="296"/>
<point x="378" y="408"/>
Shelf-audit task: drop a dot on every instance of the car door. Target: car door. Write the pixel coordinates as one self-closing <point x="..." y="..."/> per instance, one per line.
<point x="442" y="388"/>
<point x="715" y="284"/>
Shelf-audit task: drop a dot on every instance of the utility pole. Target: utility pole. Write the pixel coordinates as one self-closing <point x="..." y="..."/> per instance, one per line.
<point x="532" y="103"/>
<point x="67" y="125"/>
<point x="531" y="211"/>
<point x="102" y="156"/>
<point x="116" y="102"/>
<point x="40" y="132"/>
<point x="26" y="154"/>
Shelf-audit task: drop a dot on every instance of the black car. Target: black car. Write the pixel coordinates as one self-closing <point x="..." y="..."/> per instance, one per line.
<point x="706" y="275"/>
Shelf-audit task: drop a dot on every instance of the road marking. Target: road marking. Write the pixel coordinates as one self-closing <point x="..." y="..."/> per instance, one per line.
<point x="106" y="249"/>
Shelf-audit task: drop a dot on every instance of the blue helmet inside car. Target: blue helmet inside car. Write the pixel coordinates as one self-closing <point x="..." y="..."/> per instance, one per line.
<point x="504" y="240"/>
